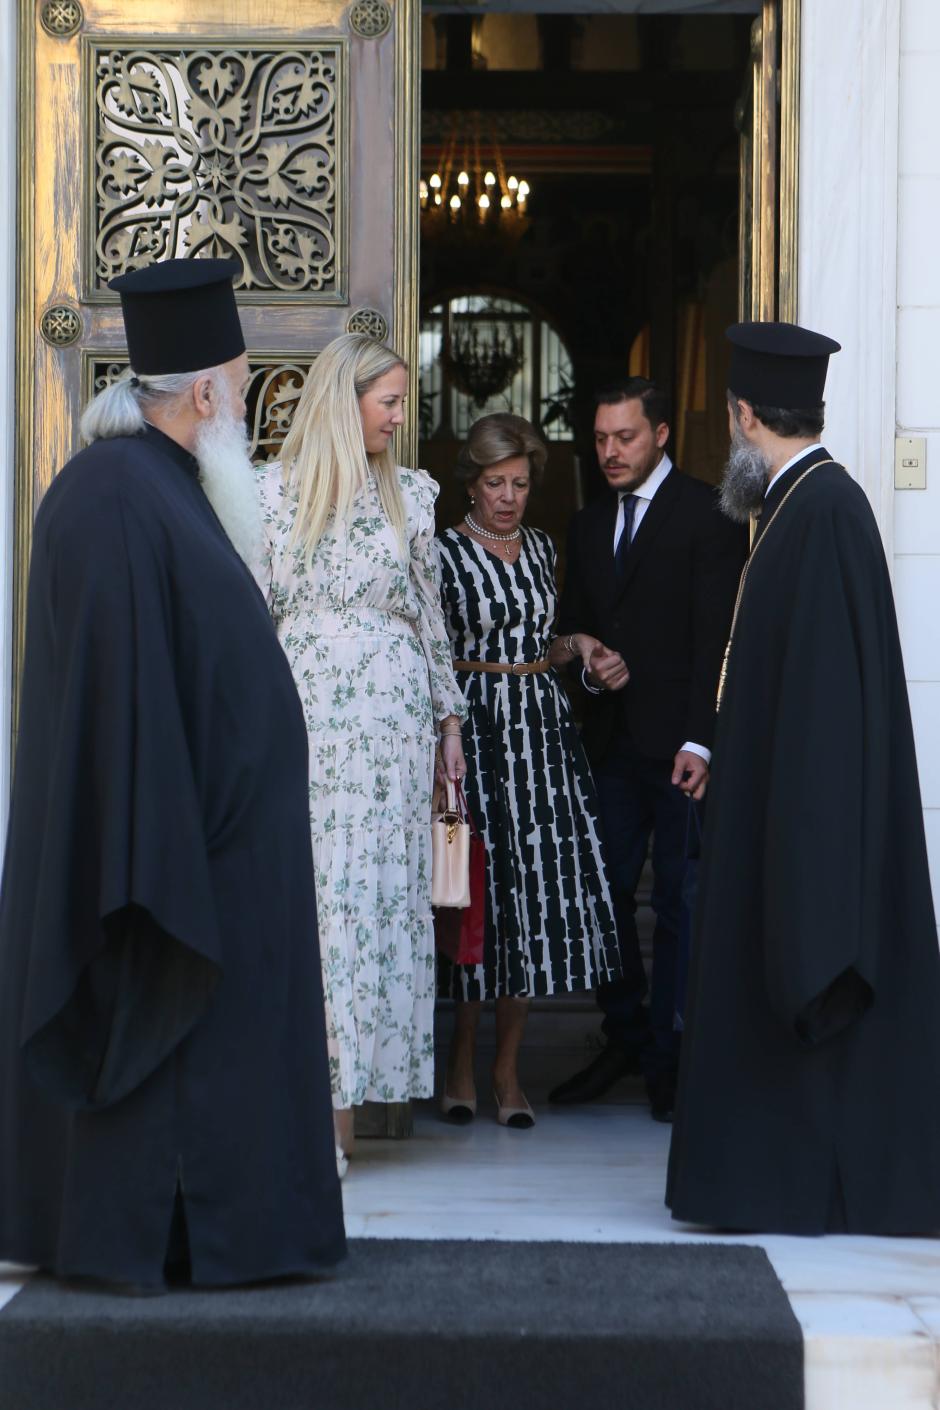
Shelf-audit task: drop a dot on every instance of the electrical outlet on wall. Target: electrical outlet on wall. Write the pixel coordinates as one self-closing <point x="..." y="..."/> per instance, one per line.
<point x="910" y="463"/>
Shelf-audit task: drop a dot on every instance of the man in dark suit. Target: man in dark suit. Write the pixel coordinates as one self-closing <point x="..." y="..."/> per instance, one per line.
<point x="652" y="572"/>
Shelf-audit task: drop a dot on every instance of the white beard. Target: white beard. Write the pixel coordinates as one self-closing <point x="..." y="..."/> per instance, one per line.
<point x="227" y="476"/>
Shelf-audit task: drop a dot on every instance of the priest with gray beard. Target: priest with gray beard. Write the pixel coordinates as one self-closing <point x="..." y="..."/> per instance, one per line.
<point x="810" y="1071"/>
<point x="164" y="1093"/>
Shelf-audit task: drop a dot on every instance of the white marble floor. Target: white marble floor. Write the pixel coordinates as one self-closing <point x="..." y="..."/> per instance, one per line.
<point x="870" y="1308"/>
<point x="10" y="1283"/>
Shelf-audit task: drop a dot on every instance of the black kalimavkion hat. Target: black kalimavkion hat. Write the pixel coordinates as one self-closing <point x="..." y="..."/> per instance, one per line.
<point x="779" y="364"/>
<point x="180" y="315"/>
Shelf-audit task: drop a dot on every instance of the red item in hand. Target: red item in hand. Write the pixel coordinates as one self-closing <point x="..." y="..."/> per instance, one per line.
<point x="459" y="933"/>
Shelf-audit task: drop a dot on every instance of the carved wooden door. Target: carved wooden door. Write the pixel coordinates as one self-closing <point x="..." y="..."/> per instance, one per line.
<point x="281" y="133"/>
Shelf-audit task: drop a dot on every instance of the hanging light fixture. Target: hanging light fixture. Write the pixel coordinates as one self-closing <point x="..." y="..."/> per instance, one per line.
<point x="462" y="189"/>
<point x="482" y="365"/>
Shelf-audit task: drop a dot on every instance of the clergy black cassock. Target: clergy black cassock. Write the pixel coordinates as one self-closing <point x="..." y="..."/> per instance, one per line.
<point x="161" y="1013"/>
<point x="810" y="1071"/>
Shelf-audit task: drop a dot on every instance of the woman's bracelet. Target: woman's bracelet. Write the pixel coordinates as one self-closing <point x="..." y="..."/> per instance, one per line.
<point x="450" y="734"/>
<point x="570" y="646"/>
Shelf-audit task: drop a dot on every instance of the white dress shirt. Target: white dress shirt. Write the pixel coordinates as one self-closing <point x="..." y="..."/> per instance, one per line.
<point x="817" y="445"/>
<point x="644" y="497"/>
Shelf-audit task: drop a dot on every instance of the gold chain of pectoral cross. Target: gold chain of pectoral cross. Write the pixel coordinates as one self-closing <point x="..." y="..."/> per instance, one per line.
<point x="744" y="572"/>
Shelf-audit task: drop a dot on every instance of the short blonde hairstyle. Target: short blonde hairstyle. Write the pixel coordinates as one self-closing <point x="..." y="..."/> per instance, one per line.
<point x="498" y="437"/>
<point x="324" y="457"/>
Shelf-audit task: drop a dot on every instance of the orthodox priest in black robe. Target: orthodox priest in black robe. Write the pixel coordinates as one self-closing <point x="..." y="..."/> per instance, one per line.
<point x="164" y="1093"/>
<point x="809" y="1096"/>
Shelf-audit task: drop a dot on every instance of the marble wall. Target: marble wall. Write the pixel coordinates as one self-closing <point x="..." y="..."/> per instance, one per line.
<point x="870" y="276"/>
<point x="917" y="512"/>
<point x="848" y="226"/>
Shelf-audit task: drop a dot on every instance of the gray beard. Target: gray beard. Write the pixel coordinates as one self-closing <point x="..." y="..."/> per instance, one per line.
<point x="746" y="476"/>
<point x="227" y="476"/>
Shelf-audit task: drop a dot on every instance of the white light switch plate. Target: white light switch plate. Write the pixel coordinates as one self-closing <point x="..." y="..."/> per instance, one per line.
<point x="910" y="463"/>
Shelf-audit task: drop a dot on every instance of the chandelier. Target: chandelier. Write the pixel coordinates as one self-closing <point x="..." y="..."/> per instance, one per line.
<point x="470" y="184"/>
<point x="481" y="367"/>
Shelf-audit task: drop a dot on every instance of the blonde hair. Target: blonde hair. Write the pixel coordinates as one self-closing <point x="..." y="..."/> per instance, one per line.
<point x="324" y="457"/>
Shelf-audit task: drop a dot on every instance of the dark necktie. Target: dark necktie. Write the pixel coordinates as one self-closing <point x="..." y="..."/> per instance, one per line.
<point x="626" y="538"/>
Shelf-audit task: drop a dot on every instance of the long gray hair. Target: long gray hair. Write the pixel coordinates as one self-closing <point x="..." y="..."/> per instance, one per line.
<point x="122" y="408"/>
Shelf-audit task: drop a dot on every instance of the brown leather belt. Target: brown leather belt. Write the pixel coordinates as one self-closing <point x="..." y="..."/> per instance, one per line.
<point x="516" y="668"/>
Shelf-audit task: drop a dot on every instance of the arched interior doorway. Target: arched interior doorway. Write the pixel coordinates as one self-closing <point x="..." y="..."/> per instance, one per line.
<point x="484" y="352"/>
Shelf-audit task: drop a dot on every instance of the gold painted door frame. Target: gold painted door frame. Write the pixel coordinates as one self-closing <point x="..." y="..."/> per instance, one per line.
<point x="768" y="120"/>
<point x="284" y="133"/>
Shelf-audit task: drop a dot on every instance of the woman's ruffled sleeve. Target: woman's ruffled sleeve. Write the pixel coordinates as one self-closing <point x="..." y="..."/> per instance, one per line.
<point x="269" y="477"/>
<point x="420" y="493"/>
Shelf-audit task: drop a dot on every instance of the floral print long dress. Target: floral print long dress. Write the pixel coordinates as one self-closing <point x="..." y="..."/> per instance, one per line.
<point x="362" y="627"/>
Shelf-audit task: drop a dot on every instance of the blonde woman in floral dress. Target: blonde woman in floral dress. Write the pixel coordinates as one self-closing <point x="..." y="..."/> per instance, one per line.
<point x="351" y="576"/>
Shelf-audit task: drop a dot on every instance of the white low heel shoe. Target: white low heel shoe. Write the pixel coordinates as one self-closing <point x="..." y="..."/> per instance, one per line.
<point x="518" y="1118"/>
<point x="459" y="1110"/>
<point x="342" y="1162"/>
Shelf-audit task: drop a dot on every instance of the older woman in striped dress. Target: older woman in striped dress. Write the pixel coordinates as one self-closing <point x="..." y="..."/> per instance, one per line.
<point x="549" y="919"/>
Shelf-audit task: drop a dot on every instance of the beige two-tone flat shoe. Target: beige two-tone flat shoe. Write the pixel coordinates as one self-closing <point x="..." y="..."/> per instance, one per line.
<point x="518" y="1118"/>
<point x="459" y="1110"/>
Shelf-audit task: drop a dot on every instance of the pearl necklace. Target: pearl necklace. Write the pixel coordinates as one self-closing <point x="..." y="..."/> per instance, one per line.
<point x="503" y="539"/>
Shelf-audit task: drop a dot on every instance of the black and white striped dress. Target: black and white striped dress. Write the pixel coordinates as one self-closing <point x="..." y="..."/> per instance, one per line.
<point x="549" y="923"/>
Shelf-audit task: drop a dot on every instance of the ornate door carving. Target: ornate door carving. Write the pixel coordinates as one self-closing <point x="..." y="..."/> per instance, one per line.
<point x="281" y="133"/>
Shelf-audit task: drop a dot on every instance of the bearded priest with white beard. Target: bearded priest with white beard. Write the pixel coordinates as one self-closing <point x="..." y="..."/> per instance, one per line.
<point x="164" y="1092"/>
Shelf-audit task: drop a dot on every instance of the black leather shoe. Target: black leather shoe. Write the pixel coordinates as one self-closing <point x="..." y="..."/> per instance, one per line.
<point x="597" y="1078"/>
<point x="661" y="1090"/>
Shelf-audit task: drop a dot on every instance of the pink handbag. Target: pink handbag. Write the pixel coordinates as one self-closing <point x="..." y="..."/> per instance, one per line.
<point x="459" y="926"/>
<point x="450" y="851"/>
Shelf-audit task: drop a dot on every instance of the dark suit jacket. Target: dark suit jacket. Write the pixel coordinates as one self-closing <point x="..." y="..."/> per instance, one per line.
<point x="669" y="618"/>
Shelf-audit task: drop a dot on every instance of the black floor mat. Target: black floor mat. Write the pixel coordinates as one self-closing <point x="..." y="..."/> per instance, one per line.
<point x="421" y="1324"/>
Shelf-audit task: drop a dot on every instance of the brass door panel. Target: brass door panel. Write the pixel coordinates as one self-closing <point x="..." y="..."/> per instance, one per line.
<point x="768" y="123"/>
<point x="213" y="148"/>
<point x="280" y="133"/>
